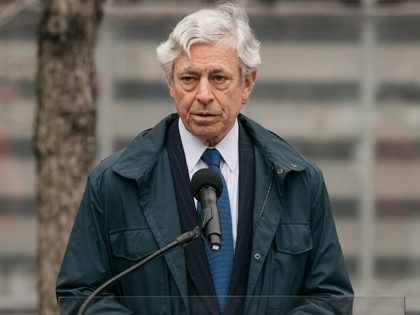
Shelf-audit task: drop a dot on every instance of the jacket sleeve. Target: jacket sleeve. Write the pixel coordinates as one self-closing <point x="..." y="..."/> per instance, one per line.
<point x="326" y="271"/>
<point x="86" y="264"/>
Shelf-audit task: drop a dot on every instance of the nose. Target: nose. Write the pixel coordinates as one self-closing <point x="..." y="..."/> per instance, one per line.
<point x="205" y="91"/>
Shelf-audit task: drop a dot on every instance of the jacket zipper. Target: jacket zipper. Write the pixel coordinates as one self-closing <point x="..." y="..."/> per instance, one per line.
<point x="265" y="200"/>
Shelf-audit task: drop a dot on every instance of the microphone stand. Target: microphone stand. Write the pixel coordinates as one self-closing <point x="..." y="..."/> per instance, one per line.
<point x="181" y="241"/>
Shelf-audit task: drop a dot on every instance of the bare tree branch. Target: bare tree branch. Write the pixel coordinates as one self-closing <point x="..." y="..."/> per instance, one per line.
<point x="12" y="8"/>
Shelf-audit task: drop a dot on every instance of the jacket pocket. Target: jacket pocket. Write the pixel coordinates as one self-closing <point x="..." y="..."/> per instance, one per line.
<point x="129" y="247"/>
<point x="293" y="238"/>
<point x="291" y="246"/>
<point x="133" y="245"/>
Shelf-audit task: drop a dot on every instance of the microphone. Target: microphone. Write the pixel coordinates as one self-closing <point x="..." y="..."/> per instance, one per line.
<point x="207" y="187"/>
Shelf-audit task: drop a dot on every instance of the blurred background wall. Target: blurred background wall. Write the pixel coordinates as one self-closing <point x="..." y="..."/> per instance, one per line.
<point x="340" y="80"/>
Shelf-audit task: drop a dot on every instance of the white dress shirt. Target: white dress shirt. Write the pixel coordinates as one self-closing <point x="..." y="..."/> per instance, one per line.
<point x="229" y="165"/>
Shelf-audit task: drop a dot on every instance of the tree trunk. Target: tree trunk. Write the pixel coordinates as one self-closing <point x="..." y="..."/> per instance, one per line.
<point x="64" y="140"/>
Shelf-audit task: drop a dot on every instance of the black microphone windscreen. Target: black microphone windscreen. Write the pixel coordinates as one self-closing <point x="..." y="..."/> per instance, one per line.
<point x="206" y="177"/>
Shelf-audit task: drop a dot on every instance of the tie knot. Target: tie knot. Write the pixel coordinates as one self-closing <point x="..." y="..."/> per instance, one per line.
<point x="211" y="157"/>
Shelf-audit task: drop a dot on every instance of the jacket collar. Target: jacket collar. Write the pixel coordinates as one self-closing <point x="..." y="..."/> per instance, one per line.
<point x="141" y="154"/>
<point x="283" y="157"/>
<point x="139" y="157"/>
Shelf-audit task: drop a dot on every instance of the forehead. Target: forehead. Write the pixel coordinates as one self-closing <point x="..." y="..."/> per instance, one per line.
<point x="208" y="57"/>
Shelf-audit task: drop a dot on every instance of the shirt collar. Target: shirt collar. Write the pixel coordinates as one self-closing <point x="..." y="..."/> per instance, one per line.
<point x="193" y="148"/>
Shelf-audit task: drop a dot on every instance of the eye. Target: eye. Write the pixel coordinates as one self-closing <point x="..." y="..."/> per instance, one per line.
<point x="187" y="79"/>
<point x="220" y="78"/>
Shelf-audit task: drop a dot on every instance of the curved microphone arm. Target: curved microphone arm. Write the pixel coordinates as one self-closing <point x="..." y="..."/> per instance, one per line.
<point x="181" y="241"/>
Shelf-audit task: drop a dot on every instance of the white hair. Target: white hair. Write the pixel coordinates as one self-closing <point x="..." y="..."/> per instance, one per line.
<point x="226" y="22"/>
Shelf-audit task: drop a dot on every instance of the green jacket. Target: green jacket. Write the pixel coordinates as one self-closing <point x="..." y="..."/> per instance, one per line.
<point x="129" y="211"/>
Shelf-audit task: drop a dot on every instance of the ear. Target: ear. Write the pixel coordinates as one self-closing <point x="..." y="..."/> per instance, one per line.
<point x="170" y="83"/>
<point x="248" y="85"/>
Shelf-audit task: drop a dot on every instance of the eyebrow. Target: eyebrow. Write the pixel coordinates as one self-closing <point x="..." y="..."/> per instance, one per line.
<point x="218" y="70"/>
<point x="190" y="70"/>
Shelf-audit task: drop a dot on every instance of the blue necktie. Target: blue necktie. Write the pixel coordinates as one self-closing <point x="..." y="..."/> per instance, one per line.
<point x="221" y="261"/>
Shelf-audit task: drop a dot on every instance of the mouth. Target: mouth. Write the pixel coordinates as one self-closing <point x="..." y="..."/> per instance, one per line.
<point x="204" y="116"/>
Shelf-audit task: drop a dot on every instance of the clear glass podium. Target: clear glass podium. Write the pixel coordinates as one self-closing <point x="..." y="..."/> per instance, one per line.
<point x="252" y="305"/>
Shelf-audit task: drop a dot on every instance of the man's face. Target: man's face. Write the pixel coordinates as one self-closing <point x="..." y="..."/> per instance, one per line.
<point x="208" y="90"/>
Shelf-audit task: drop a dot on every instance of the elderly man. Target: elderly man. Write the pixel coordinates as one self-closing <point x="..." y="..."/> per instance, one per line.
<point x="278" y="233"/>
